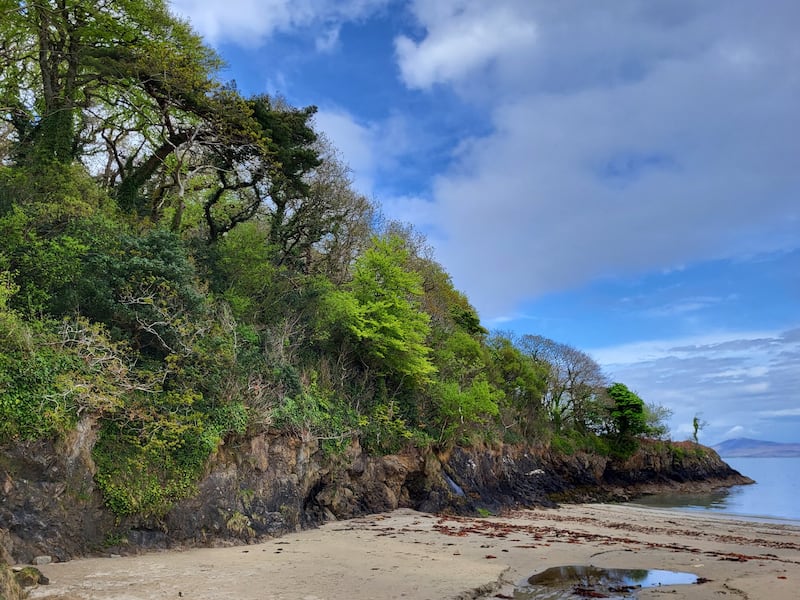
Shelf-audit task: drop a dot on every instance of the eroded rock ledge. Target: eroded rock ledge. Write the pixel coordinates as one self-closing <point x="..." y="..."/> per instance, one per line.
<point x="269" y="485"/>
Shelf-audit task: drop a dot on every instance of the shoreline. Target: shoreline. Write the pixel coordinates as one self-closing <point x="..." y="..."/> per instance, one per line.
<point x="712" y="514"/>
<point x="410" y="555"/>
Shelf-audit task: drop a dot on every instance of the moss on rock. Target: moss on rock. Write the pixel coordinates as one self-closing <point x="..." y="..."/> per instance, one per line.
<point x="9" y="588"/>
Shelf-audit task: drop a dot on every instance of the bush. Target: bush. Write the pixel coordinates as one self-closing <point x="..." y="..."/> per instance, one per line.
<point x="153" y="456"/>
<point x="383" y="431"/>
<point x="316" y="413"/>
<point x="32" y="406"/>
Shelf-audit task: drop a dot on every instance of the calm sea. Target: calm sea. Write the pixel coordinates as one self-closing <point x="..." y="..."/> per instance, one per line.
<point x="775" y="495"/>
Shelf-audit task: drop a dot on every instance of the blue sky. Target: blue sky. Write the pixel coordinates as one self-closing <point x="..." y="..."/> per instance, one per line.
<point x="620" y="176"/>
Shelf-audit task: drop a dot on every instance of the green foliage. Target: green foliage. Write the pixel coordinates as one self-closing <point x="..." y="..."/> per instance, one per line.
<point x="462" y="411"/>
<point x="245" y="272"/>
<point x="145" y="286"/>
<point x="52" y="221"/>
<point x="466" y="318"/>
<point x="459" y="357"/>
<point x="628" y="411"/>
<point x="383" y="431"/>
<point x="316" y="413"/>
<point x="698" y="424"/>
<point x="573" y="441"/>
<point x="14" y="333"/>
<point x="523" y="381"/>
<point x="628" y="418"/>
<point x="563" y="445"/>
<point x="290" y="138"/>
<point x="125" y="60"/>
<point x="381" y="313"/>
<point x="656" y="417"/>
<point x="51" y="264"/>
<point x="681" y="451"/>
<point x="195" y="264"/>
<point x="32" y="403"/>
<point x="153" y="455"/>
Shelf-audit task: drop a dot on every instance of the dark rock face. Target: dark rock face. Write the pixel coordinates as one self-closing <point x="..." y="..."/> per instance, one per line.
<point x="269" y="485"/>
<point x="520" y="477"/>
<point x="48" y="501"/>
<point x="673" y="465"/>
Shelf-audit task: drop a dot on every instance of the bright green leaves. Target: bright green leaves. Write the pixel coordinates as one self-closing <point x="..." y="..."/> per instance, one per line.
<point x="460" y="411"/>
<point x="33" y="404"/>
<point x="381" y="314"/>
<point x="246" y="275"/>
<point x="628" y="418"/>
<point x="628" y="411"/>
<point x="52" y="267"/>
<point x="460" y="357"/>
<point x="315" y="412"/>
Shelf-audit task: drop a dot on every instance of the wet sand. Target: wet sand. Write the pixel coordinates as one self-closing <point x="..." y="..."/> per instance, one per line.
<point x="411" y="555"/>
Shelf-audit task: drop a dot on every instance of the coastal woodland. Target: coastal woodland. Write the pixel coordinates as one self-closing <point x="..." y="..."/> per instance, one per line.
<point x="183" y="264"/>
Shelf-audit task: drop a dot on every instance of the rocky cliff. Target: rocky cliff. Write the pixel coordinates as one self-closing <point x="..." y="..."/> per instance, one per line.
<point x="268" y="485"/>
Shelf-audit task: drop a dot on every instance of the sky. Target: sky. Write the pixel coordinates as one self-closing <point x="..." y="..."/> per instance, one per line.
<point x="623" y="176"/>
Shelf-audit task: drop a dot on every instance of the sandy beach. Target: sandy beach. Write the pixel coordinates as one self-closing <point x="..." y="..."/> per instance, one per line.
<point x="411" y="555"/>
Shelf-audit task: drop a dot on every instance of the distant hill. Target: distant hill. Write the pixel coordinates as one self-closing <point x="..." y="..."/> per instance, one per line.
<point x="744" y="447"/>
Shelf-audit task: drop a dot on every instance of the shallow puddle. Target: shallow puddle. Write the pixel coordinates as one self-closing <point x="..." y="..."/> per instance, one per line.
<point x="564" y="583"/>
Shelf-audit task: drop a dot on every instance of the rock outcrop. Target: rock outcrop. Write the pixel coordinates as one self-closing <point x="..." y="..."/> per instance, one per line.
<point x="269" y="485"/>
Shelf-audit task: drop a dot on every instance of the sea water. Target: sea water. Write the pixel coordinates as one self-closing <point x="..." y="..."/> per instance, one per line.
<point x="775" y="495"/>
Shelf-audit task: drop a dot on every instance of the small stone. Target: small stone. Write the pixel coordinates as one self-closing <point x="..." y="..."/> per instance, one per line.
<point x="42" y="560"/>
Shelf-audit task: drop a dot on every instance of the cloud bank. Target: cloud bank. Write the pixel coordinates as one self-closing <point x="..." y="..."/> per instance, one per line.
<point x="250" y="22"/>
<point x="625" y="137"/>
<point x="744" y="384"/>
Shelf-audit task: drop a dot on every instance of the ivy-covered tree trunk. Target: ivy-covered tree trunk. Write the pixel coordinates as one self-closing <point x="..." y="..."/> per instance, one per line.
<point x="59" y="28"/>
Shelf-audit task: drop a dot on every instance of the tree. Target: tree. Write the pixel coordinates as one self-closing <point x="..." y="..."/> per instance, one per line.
<point x="460" y="411"/>
<point x="657" y="417"/>
<point x="575" y="383"/>
<point x="268" y="174"/>
<point x="70" y="66"/>
<point x="524" y="382"/>
<point x="698" y="424"/>
<point x="380" y="314"/>
<point x="628" y="413"/>
<point x="342" y="218"/>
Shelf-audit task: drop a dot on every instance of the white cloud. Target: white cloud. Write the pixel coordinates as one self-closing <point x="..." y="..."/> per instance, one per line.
<point x="371" y="148"/>
<point x="730" y="378"/>
<point x="736" y="431"/>
<point x="719" y="342"/>
<point x="462" y="36"/>
<point x="328" y="40"/>
<point x="785" y="412"/>
<point x="355" y="141"/>
<point x="625" y="138"/>
<point x="684" y="306"/>
<point x="249" y="22"/>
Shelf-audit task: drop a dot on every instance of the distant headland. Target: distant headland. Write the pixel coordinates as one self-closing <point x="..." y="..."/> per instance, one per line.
<point x="744" y="447"/>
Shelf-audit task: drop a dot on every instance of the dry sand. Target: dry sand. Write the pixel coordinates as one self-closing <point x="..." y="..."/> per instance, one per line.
<point x="406" y="554"/>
